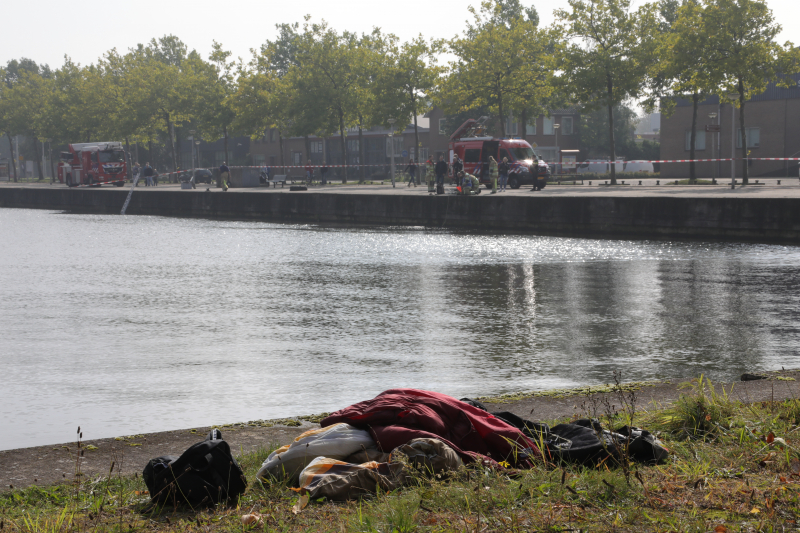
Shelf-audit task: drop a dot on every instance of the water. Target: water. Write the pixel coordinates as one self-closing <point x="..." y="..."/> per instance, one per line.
<point x="130" y="324"/>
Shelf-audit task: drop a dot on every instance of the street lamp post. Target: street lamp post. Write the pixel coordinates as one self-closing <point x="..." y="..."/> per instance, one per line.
<point x="197" y="146"/>
<point x="191" y="146"/>
<point x="558" y="152"/>
<point x="712" y="116"/>
<point x="391" y="146"/>
<point x="733" y="146"/>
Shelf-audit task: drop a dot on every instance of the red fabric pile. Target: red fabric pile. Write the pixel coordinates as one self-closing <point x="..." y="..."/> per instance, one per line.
<point x="397" y="416"/>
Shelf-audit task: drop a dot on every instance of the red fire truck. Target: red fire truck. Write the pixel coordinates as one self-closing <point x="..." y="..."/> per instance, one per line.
<point x="474" y="149"/>
<point x="93" y="164"/>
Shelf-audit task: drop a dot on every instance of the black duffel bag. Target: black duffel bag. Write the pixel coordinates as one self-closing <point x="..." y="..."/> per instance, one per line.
<point x="206" y="473"/>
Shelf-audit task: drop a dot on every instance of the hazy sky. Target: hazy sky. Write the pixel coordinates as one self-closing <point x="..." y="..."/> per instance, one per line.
<point x="46" y="30"/>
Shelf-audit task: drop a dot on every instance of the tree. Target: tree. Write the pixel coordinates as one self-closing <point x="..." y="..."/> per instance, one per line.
<point x="26" y="109"/>
<point x="327" y="75"/>
<point x="405" y="77"/>
<point x="683" y="69"/>
<point x="493" y="66"/>
<point x="213" y="99"/>
<point x="744" y="57"/>
<point x="608" y="56"/>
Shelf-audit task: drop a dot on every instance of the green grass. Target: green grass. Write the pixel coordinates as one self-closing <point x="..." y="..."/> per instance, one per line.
<point x="732" y="465"/>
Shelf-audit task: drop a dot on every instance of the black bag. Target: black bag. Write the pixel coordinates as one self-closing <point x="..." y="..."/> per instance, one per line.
<point x="206" y="473"/>
<point x="439" y="188"/>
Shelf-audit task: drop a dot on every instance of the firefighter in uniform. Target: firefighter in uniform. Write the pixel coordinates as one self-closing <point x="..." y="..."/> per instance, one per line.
<point x="430" y="175"/>
<point x="493" y="174"/>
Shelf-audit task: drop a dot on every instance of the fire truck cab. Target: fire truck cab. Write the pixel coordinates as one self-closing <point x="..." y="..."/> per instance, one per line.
<point x="93" y="164"/>
<point x="474" y="149"/>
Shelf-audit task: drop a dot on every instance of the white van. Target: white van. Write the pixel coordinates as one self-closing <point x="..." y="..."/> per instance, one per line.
<point x="599" y="167"/>
<point x="633" y="166"/>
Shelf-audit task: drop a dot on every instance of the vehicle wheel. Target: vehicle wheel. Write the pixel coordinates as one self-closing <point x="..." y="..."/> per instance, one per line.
<point x="513" y="183"/>
<point x="119" y="183"/>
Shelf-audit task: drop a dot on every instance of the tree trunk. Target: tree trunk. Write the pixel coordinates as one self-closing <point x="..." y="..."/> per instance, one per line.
<point x="225" y="133"/>
<point x="13" y="157"/>
<point x="693" y="138"/>
<point x="38" y="157"/>
<point x="524" y="120"/>
<point x="136" y="151"/>
<point x="502" y="115"/>
<point x="52" y="166"/>
<point x="171" y="132"/>
<point x="344" y="145"/>
<point x="280" y="146"/>
<point x="362" y="169"/>
<point x="611" y="141"/>
<point x="128" y="163"/>
<point x="150" y="153"/>
<point x="417" y="147"/>
<point x="745" y="170"/>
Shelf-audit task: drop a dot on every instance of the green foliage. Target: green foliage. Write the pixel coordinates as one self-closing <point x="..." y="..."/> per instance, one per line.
<point x="609" y="54"/>
<point x="504" y="63"/>
<point x="705" y="413"/>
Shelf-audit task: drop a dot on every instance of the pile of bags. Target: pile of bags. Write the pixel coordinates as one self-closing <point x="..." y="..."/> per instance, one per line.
<point x="383" y="443"/>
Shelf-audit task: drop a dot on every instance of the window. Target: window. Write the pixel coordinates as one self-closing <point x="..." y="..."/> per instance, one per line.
<point x="219" y="158"/>
<point x="258" y="160"/>
<point x="316" y="147"/>
<point x="547" y="128"/>
<point x="272" y="135"/>
<point x="530" y="129"/>
<point x="504" y="153"/>
<point x="699" y="141"/>
<point x="398" y="146"/>
<point x="442" y="126"/>
<point x="352" y="146"/>
<point x="423" y="154"/>
<point x="511" y="126"/>
<point x="472" y="155"/>
<point x="297" y="158"/>
<point x="753" y="137"/>
<point x="566" y="125"/>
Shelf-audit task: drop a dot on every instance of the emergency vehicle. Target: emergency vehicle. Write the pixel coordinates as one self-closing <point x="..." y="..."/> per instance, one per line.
<point x="93" y="164"/>
<point x="473" y="148"/>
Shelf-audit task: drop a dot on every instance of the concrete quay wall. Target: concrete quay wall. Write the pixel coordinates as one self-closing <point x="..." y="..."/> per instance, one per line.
<point x="742" y="218"/>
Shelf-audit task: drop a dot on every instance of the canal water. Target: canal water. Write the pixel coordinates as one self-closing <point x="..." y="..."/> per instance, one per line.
<point x="131" y="324"/>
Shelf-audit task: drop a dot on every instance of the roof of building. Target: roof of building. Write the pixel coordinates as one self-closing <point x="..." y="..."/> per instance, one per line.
<point x="773" y="92"/>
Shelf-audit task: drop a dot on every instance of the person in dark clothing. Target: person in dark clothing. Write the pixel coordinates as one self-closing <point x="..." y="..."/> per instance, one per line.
<point x="441" y="171"/>
<point x="458" y="166"/>
<point x="148" y="174"/>
<point x="502" y="170"/>
<point x="412" y="172"/>
<point x="322" y="172"/>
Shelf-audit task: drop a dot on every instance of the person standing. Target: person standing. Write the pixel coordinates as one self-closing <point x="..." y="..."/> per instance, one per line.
<point x="502" y="169"/>
<point x="441" y="171"/>
<point x="458" y="166"/>
<point x="493" y="174"/>
<point x="430" y="174"/>
<point x="224" y="175"/>
<point x="148" y="174"/>
<point x="412" y="172"/>
<point x="309" y="172"/>
<point x="322" y="172"/>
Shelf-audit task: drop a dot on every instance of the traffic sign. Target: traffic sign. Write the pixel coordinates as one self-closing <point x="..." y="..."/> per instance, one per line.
<point x="405" y="153"/>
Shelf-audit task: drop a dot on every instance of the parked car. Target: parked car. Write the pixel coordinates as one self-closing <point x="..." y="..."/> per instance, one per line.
<point x="203" y="175"/>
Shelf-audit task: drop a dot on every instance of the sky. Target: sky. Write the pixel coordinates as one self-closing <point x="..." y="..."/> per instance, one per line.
<point x="46" y="30"/>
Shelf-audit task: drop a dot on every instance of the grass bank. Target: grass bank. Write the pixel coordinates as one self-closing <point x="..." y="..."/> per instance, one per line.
<point x="733" y="467"/>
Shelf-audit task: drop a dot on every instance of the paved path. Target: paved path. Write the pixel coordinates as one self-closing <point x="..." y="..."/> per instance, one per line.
<point x="789" y="188"/>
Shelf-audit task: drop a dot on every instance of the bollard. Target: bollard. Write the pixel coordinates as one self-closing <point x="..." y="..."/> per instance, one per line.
<point x="676" y="182"/>
<point x="640" y="182"/>
<point x="590" y="183"/>
<point x="623" y="182"/>
<point x="713" y="181"/>
<point x="605" y="182"/>
<point x="658" y="182"/>
<point x="756" y="182"/>
<point x="779" y="182"/>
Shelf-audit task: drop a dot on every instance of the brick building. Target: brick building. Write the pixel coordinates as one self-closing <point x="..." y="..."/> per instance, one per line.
<point x="772" y="120"/>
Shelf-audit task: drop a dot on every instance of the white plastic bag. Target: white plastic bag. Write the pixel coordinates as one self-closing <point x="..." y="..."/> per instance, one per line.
<point x="334" y="442"/>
